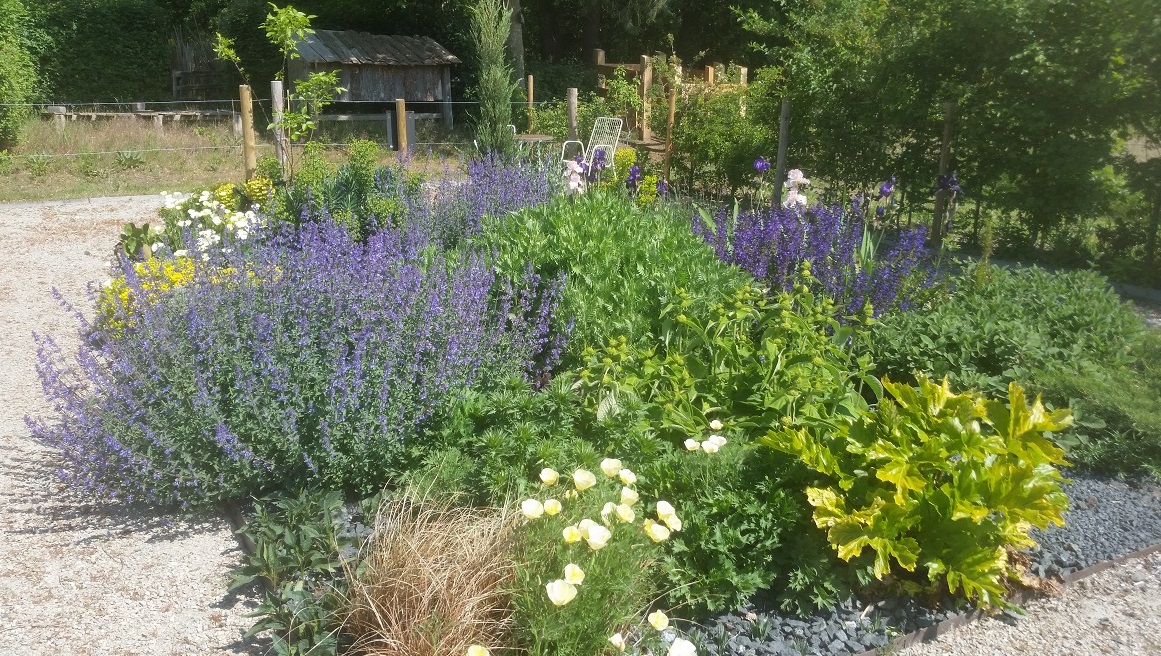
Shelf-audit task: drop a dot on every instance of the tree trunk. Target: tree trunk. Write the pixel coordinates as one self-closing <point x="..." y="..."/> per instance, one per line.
<point x="546" y="19"/>
<point x="593" y="26"/>
<point x="1154" y="225"/>
<point x="516" y="38"/>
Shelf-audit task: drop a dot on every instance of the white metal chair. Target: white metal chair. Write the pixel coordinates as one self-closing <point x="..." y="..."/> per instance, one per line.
<point x="605" y="137"/>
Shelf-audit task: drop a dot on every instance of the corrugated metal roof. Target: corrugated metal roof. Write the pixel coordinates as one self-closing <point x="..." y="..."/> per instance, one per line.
<point x="349" y="47"/>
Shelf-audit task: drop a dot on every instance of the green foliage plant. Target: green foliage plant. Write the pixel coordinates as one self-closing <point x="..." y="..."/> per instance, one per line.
<point x="621" y="287"/>
<point x="299" y="541"/>
<point x="937" y="484"/>
<point x="734" y="367"/>
<point x="18" y="75"/>
<point x="490" y="23"/>
<point x="1000" y="325"/>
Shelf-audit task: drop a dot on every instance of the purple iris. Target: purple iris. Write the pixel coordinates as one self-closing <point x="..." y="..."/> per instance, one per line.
<point x="761" y="165"/>
<point x="634" y="178"/>
<point x="948" y="182"/>
<point x="662" y="188"/>
<point x="887" y="188"/>
<point x="597" y="166"/>
<point x="880" y="211"/>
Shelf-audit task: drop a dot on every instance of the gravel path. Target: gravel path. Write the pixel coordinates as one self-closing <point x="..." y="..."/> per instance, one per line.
<point x="1115" y="612"/>
<point x="76" y="577"/>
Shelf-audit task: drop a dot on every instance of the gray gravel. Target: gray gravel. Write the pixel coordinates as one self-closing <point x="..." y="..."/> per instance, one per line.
<point x="1117" y="611"/>
<point x="1106" y="519"/>
<point x="78" y="577"/>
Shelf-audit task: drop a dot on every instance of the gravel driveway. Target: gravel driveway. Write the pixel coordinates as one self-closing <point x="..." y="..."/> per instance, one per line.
<point x="76" y="577"/>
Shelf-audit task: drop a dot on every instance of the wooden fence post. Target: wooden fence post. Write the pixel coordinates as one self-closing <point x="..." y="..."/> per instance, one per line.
<point x="572" y="106"/>
<point x="277" y="107"/>
<point x="598" y="57"/>
<point x="669" y="128"/>
<point x="531" y="111"/>
<point x="743" y="76"/>
<point x="249" y="154"/>
<point x="941" y="195"/>
<point x="780" y="161"/>
<point x="447" y="97"/>
<point x="646" y="82"/>
<point x="709" y="76"/>
<point x="401" y="124"/>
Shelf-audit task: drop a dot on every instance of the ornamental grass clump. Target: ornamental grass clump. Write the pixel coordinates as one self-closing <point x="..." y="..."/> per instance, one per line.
<point x="771" y="244"/>
<point x="433" y="579"/>
<point x="314" y="360"/>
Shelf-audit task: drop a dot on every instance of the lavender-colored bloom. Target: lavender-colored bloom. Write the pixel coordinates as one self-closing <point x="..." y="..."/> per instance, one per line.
<point x="662" y="188"/>
<point x="771" y="244"/>
<point x="311" y="358"/>
<point x="761" y="165"/>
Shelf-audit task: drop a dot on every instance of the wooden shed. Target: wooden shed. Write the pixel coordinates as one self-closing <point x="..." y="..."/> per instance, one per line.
<point x="379" y="68"/>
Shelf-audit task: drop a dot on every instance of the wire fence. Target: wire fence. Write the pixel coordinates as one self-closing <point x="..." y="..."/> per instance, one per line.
<point x="137" y="106"/>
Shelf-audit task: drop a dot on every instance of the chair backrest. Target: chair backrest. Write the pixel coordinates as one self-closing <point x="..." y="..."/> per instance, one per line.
<point x="606" y="134"/>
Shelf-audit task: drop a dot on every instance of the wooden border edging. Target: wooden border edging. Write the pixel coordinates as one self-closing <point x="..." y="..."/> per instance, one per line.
<point x="952" y="623"/>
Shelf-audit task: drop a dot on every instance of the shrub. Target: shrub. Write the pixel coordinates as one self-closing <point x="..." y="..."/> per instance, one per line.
<point x="770" y="244"/>
<point x="947" y="481"/>
<point x="715" y="141"/>
<point x="744" y="364"/>
<point x="620" y="287"/>
<point x="315" y="360"/>
<point x="1000" y="325"/>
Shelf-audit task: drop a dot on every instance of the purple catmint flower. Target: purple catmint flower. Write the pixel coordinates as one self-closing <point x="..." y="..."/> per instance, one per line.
<point x="771" y="245"/>
<point x="309" y="351"/>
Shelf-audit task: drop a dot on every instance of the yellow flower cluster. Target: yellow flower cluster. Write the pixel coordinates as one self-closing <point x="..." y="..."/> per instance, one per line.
<point x="227" y="194"/>
<point x="117" y="302"/>
<point x="596" y="534"/>
<point x="259" y="190"/>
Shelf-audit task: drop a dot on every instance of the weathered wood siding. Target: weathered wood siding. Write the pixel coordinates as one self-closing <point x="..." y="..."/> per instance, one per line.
<point x="382" y="83"/>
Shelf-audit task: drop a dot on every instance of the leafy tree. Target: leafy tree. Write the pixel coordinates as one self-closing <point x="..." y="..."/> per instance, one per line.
<point x="490" y="24"/>
<point x="101" y="50"/>
<point x="1042" y="87"/>
<point x="17" y="72"/>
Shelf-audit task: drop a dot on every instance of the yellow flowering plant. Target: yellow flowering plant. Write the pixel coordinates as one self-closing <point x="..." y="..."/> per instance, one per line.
<point x="585" y="572"/>
<point x="119" y="301"/>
